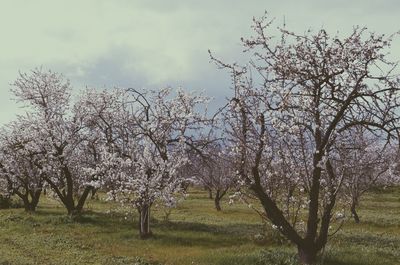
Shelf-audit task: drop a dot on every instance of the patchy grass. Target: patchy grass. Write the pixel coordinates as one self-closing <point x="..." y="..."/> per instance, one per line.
<point x="194" y="234"/>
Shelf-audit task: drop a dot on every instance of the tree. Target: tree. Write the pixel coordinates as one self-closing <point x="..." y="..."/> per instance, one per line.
<point x="104" y="115"/>
<point x="60" y="135"/>
<point x="143" y="154"/>
<point x="363" y="162"/>
<point x="20" y="175"/>
<point x="313" y="89"/>
<point x="214" y="171"/>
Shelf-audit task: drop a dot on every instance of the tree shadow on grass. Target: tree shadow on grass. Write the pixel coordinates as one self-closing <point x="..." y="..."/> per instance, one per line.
<point x="177" y="233"/>
<point x="204" y="235"/>
<point x="210" y="242"/>
<point x="174" y="233"/>
<point x="370" y="239"/>
<point x="230" y="229"/>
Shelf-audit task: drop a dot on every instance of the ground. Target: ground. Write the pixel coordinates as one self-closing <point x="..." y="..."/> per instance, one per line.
<point x="194" y="234"/>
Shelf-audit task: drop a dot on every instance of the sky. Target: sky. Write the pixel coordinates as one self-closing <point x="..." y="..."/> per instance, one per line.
<point x="151" y="44"/>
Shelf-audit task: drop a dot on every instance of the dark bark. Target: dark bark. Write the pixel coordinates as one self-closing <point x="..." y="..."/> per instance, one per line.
<point x="276" y="216"/>
<point x="314" y="82"/>
<point x="327" y="212"/>
<point x="30" y="199"/>
<point x="354" y="212"/>
<point x="217" y="203"/>
<point x="66" y="195"/>
<point x="76" y="210"/>
<point x="82" y="199"/>
<point x="210" y="194"/>
<point x="218" y="197"/>
<point x="35" y="195"/>
<point x="144" y="222"/>
<point x="70" y="208"/>
<point x="307" y="255"/>
<point x="93" y="194"/>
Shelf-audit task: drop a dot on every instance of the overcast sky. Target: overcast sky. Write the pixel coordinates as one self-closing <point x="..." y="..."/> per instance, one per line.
<point x="157" y="43"/>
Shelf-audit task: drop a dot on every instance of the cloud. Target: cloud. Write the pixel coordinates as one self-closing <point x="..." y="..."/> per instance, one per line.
<point x="156" y="43"/>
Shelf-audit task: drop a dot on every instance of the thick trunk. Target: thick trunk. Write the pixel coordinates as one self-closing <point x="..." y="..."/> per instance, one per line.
<point x="307" y="255"/>
<point x="69" y="203"/>
<point x="144" y="222"/>
<point x="354" y="212"/>
<point x="71" y="209"/>
<point x="30" y="206"/>
<point x="27" y="203"/>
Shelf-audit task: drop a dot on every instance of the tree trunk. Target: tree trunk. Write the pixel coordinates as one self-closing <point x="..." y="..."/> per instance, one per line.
<point x="217" y="201"/>
<point x="82" y="199"/>
<point x="92" y="196"/>
<point x="27" y="204"/>
<point x="72" y="211"/>
<point x="210" y="195"/>
<point x="69" y="203"/>
<point x="30" y="206"/>
<point x="144" y="222"/>
<point x="354" y="212"/>
<point x="307" y="255"/>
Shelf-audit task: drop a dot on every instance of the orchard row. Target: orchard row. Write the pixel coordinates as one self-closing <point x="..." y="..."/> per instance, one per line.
<point x="311" y="124"/>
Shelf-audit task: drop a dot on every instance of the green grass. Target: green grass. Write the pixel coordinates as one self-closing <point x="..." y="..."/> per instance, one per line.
<point x="195" y="234"/>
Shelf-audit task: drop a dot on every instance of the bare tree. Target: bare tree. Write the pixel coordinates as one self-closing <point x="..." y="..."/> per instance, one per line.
<point x="364" y="162"/>
<point x="214" y="171"/>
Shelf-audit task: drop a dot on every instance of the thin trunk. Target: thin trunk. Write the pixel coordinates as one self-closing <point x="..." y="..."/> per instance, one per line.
<point x="144" y="222"/>
<point x="82" y="199"/>
<point x="69" y="192"/>
<point x="94" y="191"/>
<point x="217" y="201"/>
<point x="210" y="195"/>
<point x="354" y="212"/>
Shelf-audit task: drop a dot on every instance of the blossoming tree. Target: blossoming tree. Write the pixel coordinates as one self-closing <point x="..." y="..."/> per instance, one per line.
<point x="18" y="153"/>
<point x="59" y="133"/>
<point x="214" y="171"/>
<point x="364" y="161"/>
<point x="310" y="90"/>
<point x="143" y="154"/>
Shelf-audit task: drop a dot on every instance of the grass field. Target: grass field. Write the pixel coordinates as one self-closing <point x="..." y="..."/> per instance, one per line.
<point x="194" y="234"/>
